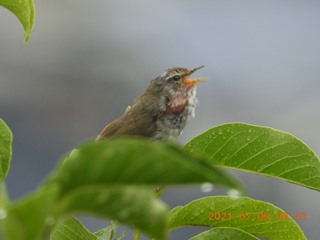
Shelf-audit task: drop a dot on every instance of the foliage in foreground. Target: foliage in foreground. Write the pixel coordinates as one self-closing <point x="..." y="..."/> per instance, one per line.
<point x="115" y="179"/>
<point x="24" y="11"/>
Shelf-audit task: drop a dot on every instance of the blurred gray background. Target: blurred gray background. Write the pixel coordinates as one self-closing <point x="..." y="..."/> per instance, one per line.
<point x="87" y="60"/>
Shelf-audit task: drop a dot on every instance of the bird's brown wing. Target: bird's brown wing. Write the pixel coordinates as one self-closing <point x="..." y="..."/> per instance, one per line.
<point x="135" y="122"/>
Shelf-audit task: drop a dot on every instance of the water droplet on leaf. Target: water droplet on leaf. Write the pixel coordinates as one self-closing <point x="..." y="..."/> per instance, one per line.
<point x="206" y="187"/>
<point x="3" y="214"/>
<point x="50" y="220"/>
<point x="234" y="193"/>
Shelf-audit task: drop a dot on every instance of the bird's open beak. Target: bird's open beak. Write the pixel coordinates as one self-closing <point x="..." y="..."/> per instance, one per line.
<point x="193" y="81"/>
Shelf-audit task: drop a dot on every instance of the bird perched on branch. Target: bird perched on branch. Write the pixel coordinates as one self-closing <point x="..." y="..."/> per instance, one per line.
<point x="162" y="110"/>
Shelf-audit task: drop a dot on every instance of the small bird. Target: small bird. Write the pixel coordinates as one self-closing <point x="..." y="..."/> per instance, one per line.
<point x="162" y="110"/>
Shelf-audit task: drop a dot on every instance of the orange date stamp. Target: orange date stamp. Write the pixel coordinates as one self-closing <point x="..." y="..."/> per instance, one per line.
<point x="258" y="216"/>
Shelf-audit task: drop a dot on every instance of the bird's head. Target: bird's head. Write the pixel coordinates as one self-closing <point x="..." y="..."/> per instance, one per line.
<point x="171" y="91"/>
<point x="176" y="81"/>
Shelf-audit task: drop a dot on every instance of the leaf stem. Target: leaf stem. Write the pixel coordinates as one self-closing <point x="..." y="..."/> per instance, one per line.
<point x="136" y="234"/>
<point x="159" y="190"/>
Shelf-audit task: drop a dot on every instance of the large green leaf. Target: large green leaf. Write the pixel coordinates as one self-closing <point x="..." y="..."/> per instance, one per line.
<point x="24" y="11"/>
<point x="30" y="217"/>
<point x="252" y="216"/>
<point x="259" y="150"/>
<point x="224" y="233"/>
<point x="101" y="178"/>
<point x="5" y="149"/>
<point x="135" y="161"/>
<point x="114" y="179"/>
<point x="131" y="205"/>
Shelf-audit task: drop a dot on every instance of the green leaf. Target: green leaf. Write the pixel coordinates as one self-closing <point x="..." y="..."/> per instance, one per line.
<point x="107" y="233"/>
<point x="106" y="173"/>
<point x="5" y="149"/>
<point x="131" y="205"/>
<point x="259" y="150"/>
<point x="24" y="11"/>
<point x="252" y="216"/>
<point x="71" y="229"/>
<point x="136" y="161"/>
<point x="113" y="179"/>
<point x="29" y="218"/>
<point x="224" y="233"/>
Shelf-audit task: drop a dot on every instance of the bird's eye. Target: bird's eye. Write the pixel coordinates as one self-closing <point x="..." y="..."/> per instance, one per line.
<point x="176" y="78"/>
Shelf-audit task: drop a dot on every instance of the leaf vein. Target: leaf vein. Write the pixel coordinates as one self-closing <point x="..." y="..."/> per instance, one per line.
<point x="226" y="142"/>
<point x="260" y="152"/>
<point x="291" y="170"/>
<point x="279" y="160"/>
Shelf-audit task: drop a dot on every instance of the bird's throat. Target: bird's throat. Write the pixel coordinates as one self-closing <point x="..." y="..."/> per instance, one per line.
<point x="176" y="104"/>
